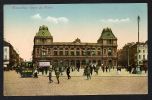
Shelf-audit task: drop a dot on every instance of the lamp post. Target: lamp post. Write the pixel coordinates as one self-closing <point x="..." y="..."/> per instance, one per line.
<point x="138" y="68"/>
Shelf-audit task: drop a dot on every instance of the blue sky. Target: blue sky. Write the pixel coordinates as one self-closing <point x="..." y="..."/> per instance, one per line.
<point x="69" y="21"/>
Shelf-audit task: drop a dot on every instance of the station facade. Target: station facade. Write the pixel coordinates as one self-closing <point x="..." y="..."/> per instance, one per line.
<point x="75" y="53"/>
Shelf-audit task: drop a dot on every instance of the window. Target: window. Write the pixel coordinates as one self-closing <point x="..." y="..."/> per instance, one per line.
<point x="109" y="41"/>
<point x="72" y="53"/>
<point x="43" y="53"/>
<point x="144" y="57"/>
<point x="139" y="56"/>
<point x="37" y="50"/>
<point x="55" y="53"/>
<point x="88" y="53"/>
<point x="61" y="53"/>
<point x="104" y="51"/>
<point x="5" y="49"/>
<point x="66" y="53"/>
<point x="77" y="53"/>
<point x="139" y="51"/>
<point x="143" y="51"/>
<point x="82" y="52"/>
<point x="99" y="53"/>
<point x="93" y="53"/>
<point x="109" y="52"/>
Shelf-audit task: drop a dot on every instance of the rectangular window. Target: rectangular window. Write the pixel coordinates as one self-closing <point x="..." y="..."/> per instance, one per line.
<point x="61" y="53"/>
<point x="82" y="52"/>
<point x="139" y="56"/>
<point x="143" y="57"/>
<point x="77" y="53"/>
<point x="72" y="53"/>
<point x="5" y="49"/>
<point x="143" y="51"/>
<point x="99" y="53"/>
<point x="55" y="53"/>
<point x="66" y="53"/>
<point x="139" y="51"/>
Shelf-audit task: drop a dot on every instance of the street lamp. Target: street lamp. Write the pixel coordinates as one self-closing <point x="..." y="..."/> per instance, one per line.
<point x="138" y="68"/>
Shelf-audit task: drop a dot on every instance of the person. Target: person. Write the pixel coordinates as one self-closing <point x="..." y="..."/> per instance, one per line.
<point x="57" y="73"/>
<point x="96" y="69"/>
<point x="118" y="69"/>
<point x="78" y="66"/>
<point x="106" y="68"/>
<point x="109" y="67"/>
<point x="68" y="72"/>
<point x="17" y="69"/>
<point x="88" y="71"/>
<point x="91" y="68"/>
<point x="60" y="66"/>
<point x="103" y="68"/>
<point x="50" y="74"/>
<point x="35" y="73"/>
<point x="145" y="68"/>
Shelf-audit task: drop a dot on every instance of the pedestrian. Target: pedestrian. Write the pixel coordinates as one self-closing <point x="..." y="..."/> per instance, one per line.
<point x="91" y="68"/>
<point x="35" y="73"/>
<point x="88" y="71"/>
<point x="78" y="67"/>
<point x="46" y="70"/>
<point x="60" y="65"/>
<point x="106" y="68"/>
<point x="50" y="74"/>
<point x="68" y="72"/>
<point x="118" y="70"/>
<point x="57" y="73"/>
<point x="103" y="68"/>
<point x="109" y="68"/>
<point x="17" y="69"/>
<point x="96" y="69"/>
<point x="145" y="68"/>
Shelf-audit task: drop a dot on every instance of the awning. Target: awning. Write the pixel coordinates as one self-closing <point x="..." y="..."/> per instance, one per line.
<point x="44" y="64"/>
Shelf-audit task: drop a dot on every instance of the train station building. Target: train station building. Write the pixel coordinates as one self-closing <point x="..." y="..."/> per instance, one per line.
<point x="75" y="53"/>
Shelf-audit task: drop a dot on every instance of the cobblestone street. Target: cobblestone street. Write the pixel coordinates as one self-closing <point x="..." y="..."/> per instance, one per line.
<point x="102" y="84"/>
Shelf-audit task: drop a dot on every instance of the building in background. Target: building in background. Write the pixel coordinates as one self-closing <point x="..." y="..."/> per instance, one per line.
<point x="139" y="54"/>
<point x="10" y="57"/>
<point x="124" y="55"/>
<point x="75" y="53"/>
<point x="133" y="54"/>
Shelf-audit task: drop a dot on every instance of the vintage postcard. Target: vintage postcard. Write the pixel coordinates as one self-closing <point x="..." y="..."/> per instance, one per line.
<point x="75" y="49"/>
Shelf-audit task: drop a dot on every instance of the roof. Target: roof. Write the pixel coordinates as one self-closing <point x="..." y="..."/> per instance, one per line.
<point x="43" y="31"/>
<point x="107" y="34"/>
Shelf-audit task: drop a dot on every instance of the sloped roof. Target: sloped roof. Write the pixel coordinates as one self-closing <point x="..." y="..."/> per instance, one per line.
<point x="43" y="31"/>
<point x="107" y="34"/>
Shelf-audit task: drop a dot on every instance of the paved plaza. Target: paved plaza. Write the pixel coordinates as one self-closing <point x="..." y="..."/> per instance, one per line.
<point x="101" y="84"/>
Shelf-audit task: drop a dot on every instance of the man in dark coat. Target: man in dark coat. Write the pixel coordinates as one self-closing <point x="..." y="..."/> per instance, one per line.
<point x="50" y="74"/>
<point x="68" y="72"/>
<point x="57" y="73"/>
<point x="88" y="71"/>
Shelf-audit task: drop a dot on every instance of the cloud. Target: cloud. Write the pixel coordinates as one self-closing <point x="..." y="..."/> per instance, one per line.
<point x="110" y="20"/>
<point x="57" y="20"/>
<point x="36" y="16"/>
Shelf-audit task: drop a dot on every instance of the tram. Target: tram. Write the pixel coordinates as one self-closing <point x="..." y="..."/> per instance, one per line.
<point x="26" y="69"/>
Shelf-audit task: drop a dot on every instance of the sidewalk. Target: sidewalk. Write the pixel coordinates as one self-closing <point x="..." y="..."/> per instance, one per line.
<point x="113" y="72"/>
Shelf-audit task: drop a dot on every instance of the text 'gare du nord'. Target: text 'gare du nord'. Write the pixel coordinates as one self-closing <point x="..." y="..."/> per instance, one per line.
<point x="76" y="53"/>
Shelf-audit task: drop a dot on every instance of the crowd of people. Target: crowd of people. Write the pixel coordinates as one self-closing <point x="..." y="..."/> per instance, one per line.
<point x="59" y="68"/>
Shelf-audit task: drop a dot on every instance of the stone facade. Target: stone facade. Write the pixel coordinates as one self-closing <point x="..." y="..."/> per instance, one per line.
<point x="75" y="53"/>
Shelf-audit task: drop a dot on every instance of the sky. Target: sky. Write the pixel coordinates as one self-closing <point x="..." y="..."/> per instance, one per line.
<point x="66" y="22"/>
